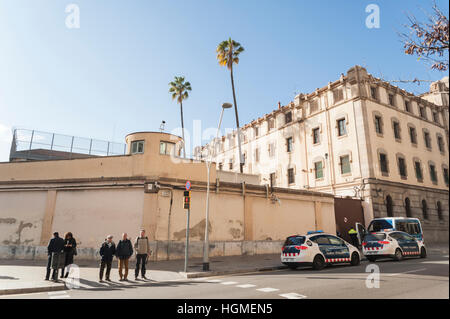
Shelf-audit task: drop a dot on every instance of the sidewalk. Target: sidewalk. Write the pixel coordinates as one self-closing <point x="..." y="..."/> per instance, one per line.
<point x="26" y="276"/>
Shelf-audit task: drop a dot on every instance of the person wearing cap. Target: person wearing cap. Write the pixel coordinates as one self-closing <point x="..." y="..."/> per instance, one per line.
<point x="142" y="249"/>
<point x="55" y="247"/>
<point x="107" y="252"/>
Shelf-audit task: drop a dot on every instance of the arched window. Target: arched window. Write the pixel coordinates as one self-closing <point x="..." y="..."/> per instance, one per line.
<point x="424" y="209"/>
<point x="439" y="210"/>
<point x="408" y="207"/>
<point x="389" y="206"/>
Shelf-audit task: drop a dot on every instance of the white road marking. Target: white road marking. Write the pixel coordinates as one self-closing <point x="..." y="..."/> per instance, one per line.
<point x="51" y="293"/>
<point x="246" y="286"/>
<point x="229" y="283"/>
<point x="442" y="262"/>
<point x="58" y="295"/>
<point x="214" y="280"/>
<point x="268" y="289"/>
<point x="406" y="272"/>
<point x="293" y="295"/>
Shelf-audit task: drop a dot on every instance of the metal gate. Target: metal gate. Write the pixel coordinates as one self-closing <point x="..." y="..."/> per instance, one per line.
<point x="348" y="211"/>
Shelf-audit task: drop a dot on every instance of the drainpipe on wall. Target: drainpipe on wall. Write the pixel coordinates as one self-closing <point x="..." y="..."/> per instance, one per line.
<point x="168" y="222"/>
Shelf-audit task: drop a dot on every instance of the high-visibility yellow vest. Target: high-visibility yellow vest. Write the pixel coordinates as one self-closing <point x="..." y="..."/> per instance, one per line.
<point x="352" y="231"/>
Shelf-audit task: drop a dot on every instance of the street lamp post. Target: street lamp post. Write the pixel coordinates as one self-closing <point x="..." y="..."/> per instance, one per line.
<point x="208" y="168"/>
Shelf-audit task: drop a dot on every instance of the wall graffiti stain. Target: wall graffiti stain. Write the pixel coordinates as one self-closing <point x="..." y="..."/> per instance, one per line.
<point x="19" y="230"/>
<point x="196" y="231"/>
<point x="8" y="220"/>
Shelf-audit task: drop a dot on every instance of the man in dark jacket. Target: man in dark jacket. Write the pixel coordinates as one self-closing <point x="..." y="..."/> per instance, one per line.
<point x="107" y="252"/>
<point x="124" y="251"/>
<point x="55" y="246"/>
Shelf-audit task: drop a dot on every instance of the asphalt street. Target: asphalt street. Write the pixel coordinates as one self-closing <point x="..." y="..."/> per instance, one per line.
<point x="410" y="278"/>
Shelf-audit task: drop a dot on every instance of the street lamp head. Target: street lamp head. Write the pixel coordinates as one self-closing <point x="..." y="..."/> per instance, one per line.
<point x="227" y="105"/>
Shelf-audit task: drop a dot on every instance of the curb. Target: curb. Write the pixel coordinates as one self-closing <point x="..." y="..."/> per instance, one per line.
<point x="229" y="272"/>
<point x="29" y="290"/>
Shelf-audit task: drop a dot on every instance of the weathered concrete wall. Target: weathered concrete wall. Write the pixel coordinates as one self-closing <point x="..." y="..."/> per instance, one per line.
<point x="21" y="217"/>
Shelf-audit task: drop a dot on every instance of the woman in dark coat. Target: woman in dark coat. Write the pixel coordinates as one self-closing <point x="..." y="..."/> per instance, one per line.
<point x="70" y="245"/>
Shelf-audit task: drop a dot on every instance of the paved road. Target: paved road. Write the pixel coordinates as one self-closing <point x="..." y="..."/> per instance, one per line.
<point x="411" y="278"/>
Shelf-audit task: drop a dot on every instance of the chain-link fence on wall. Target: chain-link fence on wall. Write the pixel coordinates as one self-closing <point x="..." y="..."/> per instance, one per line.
<point x="37" y="145"/>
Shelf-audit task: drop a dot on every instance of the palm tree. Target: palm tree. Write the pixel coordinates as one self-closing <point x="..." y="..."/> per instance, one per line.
<point x="228" y="54"/>
<point x="179" y="89"/>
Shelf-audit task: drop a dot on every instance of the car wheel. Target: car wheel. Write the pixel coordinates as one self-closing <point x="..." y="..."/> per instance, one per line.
<point x="355" y="259"/>
<point x="292" y="267"/>
<point x="318" y="262"/>
<point x="371" y="258"/>
<point x="398" y="255"/>
<point x="423" y="252"/>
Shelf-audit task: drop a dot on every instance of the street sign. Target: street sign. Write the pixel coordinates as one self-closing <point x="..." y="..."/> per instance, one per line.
<point x="188" y="185"/>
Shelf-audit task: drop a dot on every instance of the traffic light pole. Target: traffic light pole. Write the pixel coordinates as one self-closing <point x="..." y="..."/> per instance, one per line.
<point x="186" y="251"/>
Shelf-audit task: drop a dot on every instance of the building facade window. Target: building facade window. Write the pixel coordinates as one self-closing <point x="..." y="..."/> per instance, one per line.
<point x="270" y="124"/>
<point x="316" y="135"/>
<point x="408" y="106"/>
<point x="257" y="155"/>
<point x="374" y="92"/>
<point x="318" y="168"/>
<point x="221" y="166"/>
<point x="345" y="164"/>
<point x="289" y="144"/>
<point x="422" y="112"/>
<point x="440" y="142"/>
<point x="446" y="177"/>
<point x="439" y="210"/>
<point x="230" y="164"/>
<point x="424" y="209"/>
<point x="291" y="176"/>
<point x="408" y="207"/>
<point x="389" y="206"/>
<point x="433" y="175"/>
<point x="384" y="164"/>
<point x="402" y="167"/>
<point x="418" y="170"/>
<point x="287" y="117"/>
<point x="391" y="99"/>
<point x="342" y="129"/>
<point x="396" y="128"/>
<point x="436" y="117"/>
<point x="378" y="125"/>
<point x="137" y="147"/>
<point x="427" y="139"/>
<point x="413" y="135"/>
<point x="166" y="148"/>
<point x="256" y="131"/>
<point x="313" y="106"/>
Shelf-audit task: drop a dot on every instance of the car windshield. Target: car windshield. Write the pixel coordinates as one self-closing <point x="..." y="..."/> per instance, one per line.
<point x="378" y="225"/>
<point x="295" y="240"/>
<point x="375" y="237"/>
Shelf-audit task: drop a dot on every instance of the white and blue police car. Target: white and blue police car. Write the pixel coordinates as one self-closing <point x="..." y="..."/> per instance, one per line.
<point x="318" y="249"/>
<point x="392" y="244"/>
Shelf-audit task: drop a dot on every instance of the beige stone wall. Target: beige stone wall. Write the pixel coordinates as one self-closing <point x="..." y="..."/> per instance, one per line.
<point x="21" y="217"/>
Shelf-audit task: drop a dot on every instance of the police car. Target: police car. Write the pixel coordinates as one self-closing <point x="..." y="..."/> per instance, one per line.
<point x="392" y="244"/>
<point x="318" y="249"/>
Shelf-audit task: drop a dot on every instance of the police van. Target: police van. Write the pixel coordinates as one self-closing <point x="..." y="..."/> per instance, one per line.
<point x="318" y="249"/>
<point x="411" y="226"/>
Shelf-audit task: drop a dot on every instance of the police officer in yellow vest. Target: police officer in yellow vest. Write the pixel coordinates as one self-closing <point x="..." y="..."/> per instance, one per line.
<point x="353" y="236"/>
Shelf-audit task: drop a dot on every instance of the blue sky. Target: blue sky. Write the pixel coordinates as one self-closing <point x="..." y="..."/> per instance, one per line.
<point x="110" y="77"/>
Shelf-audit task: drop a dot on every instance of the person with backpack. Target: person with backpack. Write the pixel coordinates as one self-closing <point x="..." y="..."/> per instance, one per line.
<point x="124" y="251"/>
<point x="107" y="252"/>
<point x="142" y="248"/>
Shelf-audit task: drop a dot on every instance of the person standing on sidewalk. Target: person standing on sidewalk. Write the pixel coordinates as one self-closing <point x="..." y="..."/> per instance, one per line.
<point x="70" y="250"/>
<point x="354" y="237"/>
<point x="124" y="251"/>
<point x="107" y="252"/>
<point x="54" y="248"/>
<point x="142" y="248"/>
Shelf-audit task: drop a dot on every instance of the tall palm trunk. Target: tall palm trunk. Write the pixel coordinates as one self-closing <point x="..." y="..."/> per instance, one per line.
<point x="182" y="129"/>
<point x="241" y="164"/>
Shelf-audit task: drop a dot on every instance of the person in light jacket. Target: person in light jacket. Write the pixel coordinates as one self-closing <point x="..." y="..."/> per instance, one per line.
<point x="124" y="251"/>
<point x="142" y="248"/>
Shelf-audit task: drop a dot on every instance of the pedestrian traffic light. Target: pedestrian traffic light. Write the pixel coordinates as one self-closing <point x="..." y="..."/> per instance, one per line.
<point x="187" y="200"/>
